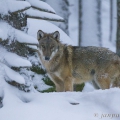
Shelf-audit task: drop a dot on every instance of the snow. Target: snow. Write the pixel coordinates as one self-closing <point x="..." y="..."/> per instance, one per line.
<point x="39" y="84"/>
<point x="35" y="25"/>
<point x="44" y="15"/>
<point x="3" y="30"/>
<point x="88" y="87"/>
<point x="25" y="38"/>
<point x="41" y="5"/>
<point x="18" y="5"/>
<point x="8" y="57"/>
<point x="13" y="76"/>
<point x="32" y="46"/>
<point x="18" y="61"/>
<point x="18" y="105"/>
<point x="21" y="37"/>
<point x="34" y="59"/>
<point x="2" y="36"/>
<point x="7" y="6"/>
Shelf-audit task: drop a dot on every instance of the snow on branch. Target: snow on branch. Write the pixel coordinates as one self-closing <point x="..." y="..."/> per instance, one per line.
<point x="13" y="6"/>
<point x="20" y="36"/>
<point x="13" y="76"/>
<point x="25" y="38"/>
<point x="32" y="13"/>
<point x="42" y="6"/>
<point x="3" y="35"/>
<point x="16" y="61"/>
<point x="12" y="59"/>
<point x="33" y="47"/>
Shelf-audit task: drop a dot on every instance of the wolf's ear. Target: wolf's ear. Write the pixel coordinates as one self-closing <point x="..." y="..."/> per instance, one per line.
<point x="40" y="34"/>
<point x="56" y="35"/>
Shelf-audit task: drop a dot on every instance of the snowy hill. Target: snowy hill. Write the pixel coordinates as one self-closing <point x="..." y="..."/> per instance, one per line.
<point x="99" y="104"/>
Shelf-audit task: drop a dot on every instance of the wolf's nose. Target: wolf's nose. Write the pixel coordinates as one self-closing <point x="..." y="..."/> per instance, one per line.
<point x="47" y="58"/>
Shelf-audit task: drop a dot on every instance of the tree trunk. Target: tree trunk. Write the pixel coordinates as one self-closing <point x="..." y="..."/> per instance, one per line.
<point x="79" y="22"/>
<point x="111" y="19"/>
<point x="99" y="22"/>
<point x="66" y="13"/>
<point x="118" y="28"/>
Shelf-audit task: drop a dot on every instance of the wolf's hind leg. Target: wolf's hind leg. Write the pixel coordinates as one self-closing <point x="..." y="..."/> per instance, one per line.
<point x="116" y="82"/>
<point x="104" y="82"/>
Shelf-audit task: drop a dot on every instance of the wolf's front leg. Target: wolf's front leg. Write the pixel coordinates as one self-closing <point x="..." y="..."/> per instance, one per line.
<point x="58" y="83"/>
<point x="68" y="84"/>
<point x="59" y="87"/>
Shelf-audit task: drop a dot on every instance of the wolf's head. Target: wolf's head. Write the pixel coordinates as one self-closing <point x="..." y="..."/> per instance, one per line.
<point x="48" y="44"/>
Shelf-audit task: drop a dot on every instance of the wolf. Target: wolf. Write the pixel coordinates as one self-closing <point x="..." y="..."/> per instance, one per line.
<point x="67" y="65"/>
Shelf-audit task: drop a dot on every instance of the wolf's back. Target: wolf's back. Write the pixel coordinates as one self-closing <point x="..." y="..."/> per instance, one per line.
<point x="94" y="56"/>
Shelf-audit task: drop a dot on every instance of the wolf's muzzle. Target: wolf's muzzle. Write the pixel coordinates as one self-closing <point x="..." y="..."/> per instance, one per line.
<point x="47" y="58"/>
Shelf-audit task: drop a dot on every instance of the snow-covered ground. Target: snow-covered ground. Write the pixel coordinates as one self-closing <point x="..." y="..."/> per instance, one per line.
<point x="99" y="104"/>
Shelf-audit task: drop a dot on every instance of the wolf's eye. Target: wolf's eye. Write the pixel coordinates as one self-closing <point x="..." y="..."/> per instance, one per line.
<point x="43" y="46"/>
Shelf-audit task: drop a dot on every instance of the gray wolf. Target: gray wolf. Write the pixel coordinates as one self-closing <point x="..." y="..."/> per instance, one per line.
<point x="67" y="65"/>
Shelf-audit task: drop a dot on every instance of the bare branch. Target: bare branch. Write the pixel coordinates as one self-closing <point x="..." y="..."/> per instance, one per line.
<point x="15" y="12"/>
<point x="49" y="19"/>
<point x="42" y="9"/>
